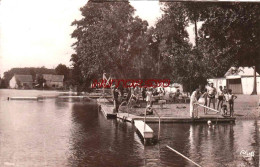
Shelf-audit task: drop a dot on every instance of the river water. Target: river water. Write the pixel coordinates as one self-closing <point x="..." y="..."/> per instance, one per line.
<point x="55" y="132"/>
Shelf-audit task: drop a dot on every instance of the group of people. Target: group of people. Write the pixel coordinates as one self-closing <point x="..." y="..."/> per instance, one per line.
<point x="209" y="95"/>
<point x="131" y="96"/>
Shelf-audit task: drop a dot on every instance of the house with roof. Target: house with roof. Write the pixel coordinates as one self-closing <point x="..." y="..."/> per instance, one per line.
<point x="240" y="80"/>
<point x="21" y="81"/>
<point x="54" y="81"/>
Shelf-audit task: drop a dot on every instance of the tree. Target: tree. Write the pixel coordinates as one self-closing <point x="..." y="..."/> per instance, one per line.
<point x="234" y="36"/>
<point x="62" y="69"/>
<point x="109" y="39"/>
<point x="176" y="59"/>
<point x="40" y="80"/>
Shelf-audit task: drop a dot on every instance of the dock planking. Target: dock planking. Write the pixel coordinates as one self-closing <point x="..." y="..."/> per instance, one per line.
<point x="107" y="109"/>
<point x="188" y="119"/>
<point x="153" y="119"/>
<point x="108" y="112"/>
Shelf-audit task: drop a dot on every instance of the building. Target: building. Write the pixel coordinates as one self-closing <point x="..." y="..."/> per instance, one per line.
<point x="240" y="80"/>
<point x="21" y="82"/>
<point x="54" y="81"/>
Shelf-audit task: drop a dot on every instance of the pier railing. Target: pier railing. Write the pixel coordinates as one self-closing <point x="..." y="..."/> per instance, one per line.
<point x="207" y="107"/>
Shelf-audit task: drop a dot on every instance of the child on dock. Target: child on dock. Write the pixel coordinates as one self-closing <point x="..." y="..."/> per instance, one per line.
<point x="229" y="97"/>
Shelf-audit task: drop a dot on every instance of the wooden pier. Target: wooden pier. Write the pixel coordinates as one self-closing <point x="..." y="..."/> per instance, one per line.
<point x="106" y="108"/>
<point x="204" y="119"/>
<point x="140" y="122"/>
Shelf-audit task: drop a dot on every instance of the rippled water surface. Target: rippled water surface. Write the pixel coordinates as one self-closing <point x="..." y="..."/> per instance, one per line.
<point x="54" y="132"/>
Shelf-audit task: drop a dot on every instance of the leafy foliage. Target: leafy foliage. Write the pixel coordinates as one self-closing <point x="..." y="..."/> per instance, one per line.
<point x="62" y="69"/>
<point x="109" y="39"/>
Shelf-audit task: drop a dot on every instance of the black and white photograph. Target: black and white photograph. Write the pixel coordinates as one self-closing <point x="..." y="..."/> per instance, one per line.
<point x="129" y="83"/>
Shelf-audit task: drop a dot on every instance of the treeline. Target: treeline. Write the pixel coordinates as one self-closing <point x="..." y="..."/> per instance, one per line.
<point x="36" y="73"/>
<point x="110" y="39"/>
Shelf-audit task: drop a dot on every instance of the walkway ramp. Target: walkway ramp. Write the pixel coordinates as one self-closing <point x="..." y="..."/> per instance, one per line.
<point x="144" y="129"/>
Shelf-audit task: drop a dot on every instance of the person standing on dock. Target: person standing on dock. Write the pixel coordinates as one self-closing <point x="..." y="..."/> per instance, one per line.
<point x="115" y="93"/>
<point x="144" y="93"/>
<point x="193" y="101"/>
<point x="149" y="97"/>
<point x="211" y="95"/>
<point x="220" y="97"/>
<point x="229" y="97"/>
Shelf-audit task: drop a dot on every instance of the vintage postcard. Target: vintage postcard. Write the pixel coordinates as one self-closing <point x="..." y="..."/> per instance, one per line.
<point x="129" y="83"/>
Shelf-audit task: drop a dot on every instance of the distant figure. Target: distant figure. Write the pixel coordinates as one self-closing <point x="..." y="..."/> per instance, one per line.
<point x="155" y="92"/>
<point x="136" y="93"/>
<point x="211" y="95"/>
<point x="220" y="97"/>
<point x="209" y="122"/>
<point x="193" y="101"/>
<point x="128" y="92"/>
<point x="144" y="93"/>
<point x="230" y="99"/>
<point x="149" y="110"/>
<point x="149" y="97"/>
<point x="115" y="93"/>
<point x="205" y="97"/>
<point x="161" y="92"/>
<point x="224" y="109"/>
<point x="225" y="91"/>
<point x="176" y="95"/>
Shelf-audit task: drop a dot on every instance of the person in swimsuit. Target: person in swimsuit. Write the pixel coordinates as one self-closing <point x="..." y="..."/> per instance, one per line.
<point x="220" y="97"/>
<point x="229" y="97"/>
<point x="211" y="95"/>
<point x="205" y="97"/>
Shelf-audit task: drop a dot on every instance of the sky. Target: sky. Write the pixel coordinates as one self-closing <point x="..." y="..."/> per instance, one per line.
<point x="36" y="33"/>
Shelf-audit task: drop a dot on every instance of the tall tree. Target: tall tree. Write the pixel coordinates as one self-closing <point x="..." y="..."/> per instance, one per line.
<point x="233" y="34"/>
<point x="109" y="39"/>
<point x="176" y="58"/>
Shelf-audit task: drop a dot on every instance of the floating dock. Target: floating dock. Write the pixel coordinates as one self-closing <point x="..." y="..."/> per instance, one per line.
<point x="132" y="118"/>
<point x="82" y="97"/>
<point x="107" y="109"/>
<point x="23" y="98"/>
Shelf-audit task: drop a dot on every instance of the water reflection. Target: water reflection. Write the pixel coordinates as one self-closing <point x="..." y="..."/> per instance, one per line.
<point x="58" y="132"/>
<point x="209" y="146"/>
<point x="96" y="141"/>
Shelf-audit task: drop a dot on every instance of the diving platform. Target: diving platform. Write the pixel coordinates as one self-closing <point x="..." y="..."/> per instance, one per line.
<point x="144" y="130"/>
